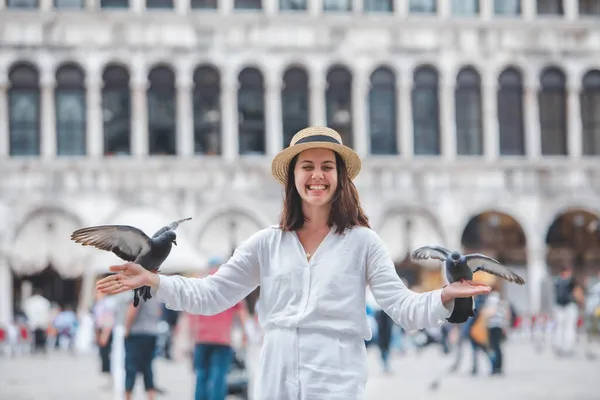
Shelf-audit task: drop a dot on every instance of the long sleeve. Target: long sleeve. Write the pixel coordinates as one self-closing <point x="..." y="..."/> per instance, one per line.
<point x="232" y="282"/>
<point x="407" y="308"/>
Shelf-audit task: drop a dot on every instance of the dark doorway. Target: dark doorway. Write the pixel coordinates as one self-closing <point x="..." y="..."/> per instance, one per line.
<point x="55" y="288"/>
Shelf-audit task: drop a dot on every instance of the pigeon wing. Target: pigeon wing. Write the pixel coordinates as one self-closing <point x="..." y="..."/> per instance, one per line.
<point x="480" y="262"/>
<point x="171" y="227"/>
<point x="427" y="252"/>
<point x="125" y="241"/>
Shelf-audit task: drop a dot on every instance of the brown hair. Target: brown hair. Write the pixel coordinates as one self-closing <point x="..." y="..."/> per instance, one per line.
<point x="346" y="211"/>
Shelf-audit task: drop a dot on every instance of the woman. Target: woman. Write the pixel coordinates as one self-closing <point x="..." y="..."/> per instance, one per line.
<point x="313" y="269"/>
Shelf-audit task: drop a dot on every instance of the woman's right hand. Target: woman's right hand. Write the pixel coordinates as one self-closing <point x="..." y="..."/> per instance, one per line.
<point x="128" y="277"/>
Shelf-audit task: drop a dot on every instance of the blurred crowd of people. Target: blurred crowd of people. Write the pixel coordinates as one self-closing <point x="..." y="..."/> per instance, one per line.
<point x="214" y="346"/>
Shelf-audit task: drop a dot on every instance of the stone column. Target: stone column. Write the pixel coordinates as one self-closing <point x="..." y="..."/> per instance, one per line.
<point x="536" y="273"/>
<point x="360" y="119"/>
<point x="401" y="8"/>
<point x="317" y="84"/>
<point x="571" y="9"/>
<point x="4" y="126"/>
<point x="185" y="115"/>
<point x="225" y="7"/>
<point x="447" y="115"/>
<point x="574" y="126"/>
<point x="271" y="7"/>
<point x="444" y="9"/>
<point x="229" y="116"/>
<point x="182" y="6"/>
<point x="491" y="139"/>
<point x="48" y="116"/>
<point x="6" y="292"/>
<point x="405" y="119"/>
<point x="95" y="122"/>
<point x="46" y="5"/>
<point x="273" y="113"/>
<point x="315" y="7"/>
<point x="533" y="142"/>
<point x="528" y="9"/>
<point x="139" y="112"/>
<point x="137" y="6"/>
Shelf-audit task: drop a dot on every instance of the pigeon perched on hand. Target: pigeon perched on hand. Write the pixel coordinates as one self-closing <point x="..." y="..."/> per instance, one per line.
<point x="461" y="267"/>
<point x="132" y="244"/>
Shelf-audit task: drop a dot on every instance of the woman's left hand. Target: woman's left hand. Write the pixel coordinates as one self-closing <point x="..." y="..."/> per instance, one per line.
<point x="463" y="289"/>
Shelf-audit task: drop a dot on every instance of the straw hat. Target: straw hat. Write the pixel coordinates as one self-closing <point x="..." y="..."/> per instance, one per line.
<point x="314" y="137"/>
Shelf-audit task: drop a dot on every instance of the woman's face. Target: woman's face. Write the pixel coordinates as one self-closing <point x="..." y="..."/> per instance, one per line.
<point x="315" y="175"/>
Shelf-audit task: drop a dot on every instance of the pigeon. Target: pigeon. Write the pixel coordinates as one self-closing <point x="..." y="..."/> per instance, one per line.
<point x="461" y="267"/>
<point x="132" y="244"/>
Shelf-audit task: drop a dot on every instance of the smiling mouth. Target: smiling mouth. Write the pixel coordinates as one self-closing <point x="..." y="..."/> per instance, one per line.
<point x="316" y="187"/>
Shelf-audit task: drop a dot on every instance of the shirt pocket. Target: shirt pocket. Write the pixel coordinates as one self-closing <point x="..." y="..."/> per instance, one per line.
<point x="283" y="293"/>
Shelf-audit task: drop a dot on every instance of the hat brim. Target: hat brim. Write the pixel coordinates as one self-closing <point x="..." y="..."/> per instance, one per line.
<point x="281" y="162"/>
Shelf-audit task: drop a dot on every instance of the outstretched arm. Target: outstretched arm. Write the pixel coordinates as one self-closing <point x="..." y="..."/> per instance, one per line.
<point x="232" y="282"/>
<point x="407" y="308"/>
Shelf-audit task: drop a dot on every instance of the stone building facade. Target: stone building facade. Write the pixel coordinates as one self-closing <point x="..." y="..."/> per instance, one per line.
<point x="478" y="123"/>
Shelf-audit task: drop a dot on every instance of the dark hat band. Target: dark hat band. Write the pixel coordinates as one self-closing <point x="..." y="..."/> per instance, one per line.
<point x="317" y="138"/>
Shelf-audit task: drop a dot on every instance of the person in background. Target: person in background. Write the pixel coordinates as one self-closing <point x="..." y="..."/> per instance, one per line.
<point x="104" y="320"/>
<point x="385" y="324"/>
<point x="39" y="315"/>
<point x="566" y="311"/>
<point x="65" y="324"/>
<point x="170" y="317"/>
<point x="141" y="332"/>
<point x="498" y="315"/>
<point x="213" y="353"/>
<point x="592" y="317"/>
<point x="465" y="335"/>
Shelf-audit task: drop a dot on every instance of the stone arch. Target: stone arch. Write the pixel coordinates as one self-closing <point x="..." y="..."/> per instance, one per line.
<point x="571" y="242"/>
<point x="43" y="257"/>
<point x="403" y="230"/>
<point x="225" y="230"/>
<point x="496" y="234"/>
<point x="499" y="235"/>
<point x="42" y="239"/>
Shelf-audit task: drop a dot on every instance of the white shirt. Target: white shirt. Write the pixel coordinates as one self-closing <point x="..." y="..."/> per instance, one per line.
<point x="326" y="293"/>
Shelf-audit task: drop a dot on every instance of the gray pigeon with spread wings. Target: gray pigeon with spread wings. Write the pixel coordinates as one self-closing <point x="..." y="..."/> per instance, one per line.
<point x="132" y="244"/>
<point x="461" y="267"/>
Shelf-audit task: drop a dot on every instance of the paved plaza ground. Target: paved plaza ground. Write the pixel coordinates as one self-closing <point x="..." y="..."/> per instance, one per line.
<point x="529" y="376"/>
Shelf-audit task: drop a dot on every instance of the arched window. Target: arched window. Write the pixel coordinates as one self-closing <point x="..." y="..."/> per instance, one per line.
<point x="510" y="113"/>
<point x="590" y="112"/>
<point x="426" y="113"/>
<point x="116" y="110"/>
<point x="467" y="106"/>
<point x="382" y="112"/>
<point x="24" y="110"/>
<point x="207" y="111"/>
<point x="338" y="98"/>
<point x="70" y="111"/>
<point x="251" y="112"/>
<point x="553" y="112"/>
<point x="162" y="122"/>
<point x="294" y="102"/>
